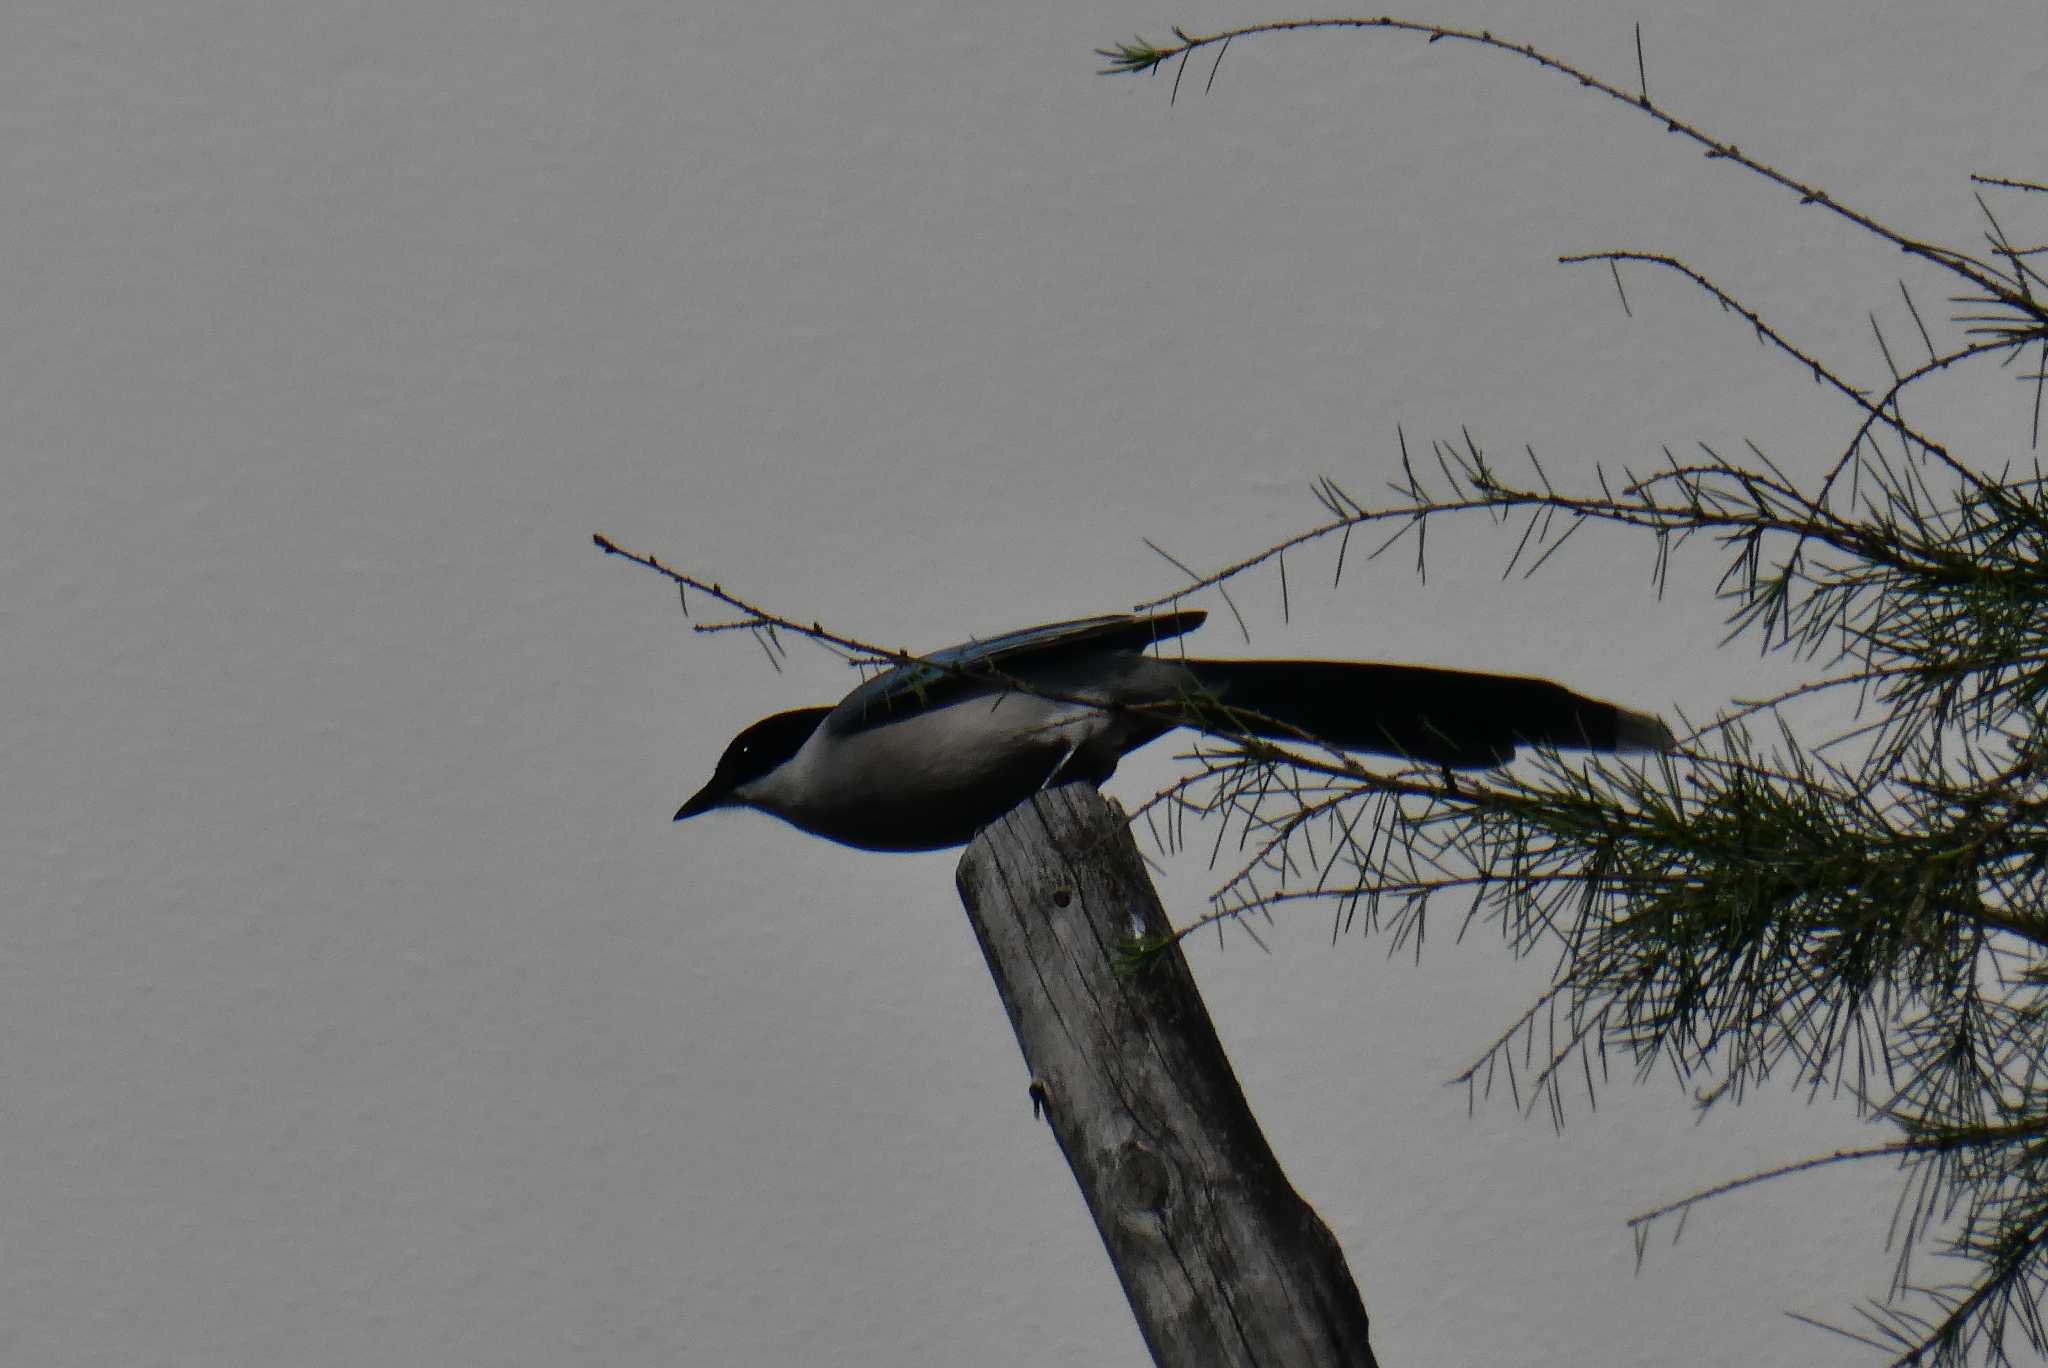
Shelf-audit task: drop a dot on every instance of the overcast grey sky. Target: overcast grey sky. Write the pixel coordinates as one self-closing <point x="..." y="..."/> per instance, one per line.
<point x="359" y="1003"/>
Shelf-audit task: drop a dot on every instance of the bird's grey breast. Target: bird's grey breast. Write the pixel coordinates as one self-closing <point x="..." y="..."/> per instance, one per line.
<point x="947" y="769"/>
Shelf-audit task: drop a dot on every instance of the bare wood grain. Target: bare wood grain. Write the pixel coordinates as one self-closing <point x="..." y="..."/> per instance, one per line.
<point x="1222" y="1260"/>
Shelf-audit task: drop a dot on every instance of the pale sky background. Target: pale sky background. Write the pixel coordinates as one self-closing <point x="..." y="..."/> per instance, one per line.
<point x="359" y="1003"/>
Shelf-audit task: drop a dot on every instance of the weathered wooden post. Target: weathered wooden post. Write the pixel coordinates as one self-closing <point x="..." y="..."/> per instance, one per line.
<point x="1222" y="1260"/>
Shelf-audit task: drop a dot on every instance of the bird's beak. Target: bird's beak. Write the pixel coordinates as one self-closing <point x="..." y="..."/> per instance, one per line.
<point x="705" y="799"/>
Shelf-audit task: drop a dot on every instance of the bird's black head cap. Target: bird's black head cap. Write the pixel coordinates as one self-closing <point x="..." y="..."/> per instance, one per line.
<point x="753" y="753"/>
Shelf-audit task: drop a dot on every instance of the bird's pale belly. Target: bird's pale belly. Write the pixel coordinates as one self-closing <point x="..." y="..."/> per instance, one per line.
<point x="933" y="780"/>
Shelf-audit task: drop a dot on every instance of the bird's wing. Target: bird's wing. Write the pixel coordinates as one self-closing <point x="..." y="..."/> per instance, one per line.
<point x="972" y="666"/>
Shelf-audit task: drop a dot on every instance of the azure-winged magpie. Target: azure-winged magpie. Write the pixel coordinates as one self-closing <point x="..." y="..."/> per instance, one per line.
<point x="926" y="754"/>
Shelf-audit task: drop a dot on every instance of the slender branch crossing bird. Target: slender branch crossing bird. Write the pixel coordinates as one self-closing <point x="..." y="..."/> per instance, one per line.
<point x="926" y="754"/>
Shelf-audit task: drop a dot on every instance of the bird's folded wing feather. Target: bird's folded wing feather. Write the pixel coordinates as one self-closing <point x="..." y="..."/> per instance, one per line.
<point x="972" y="666"/>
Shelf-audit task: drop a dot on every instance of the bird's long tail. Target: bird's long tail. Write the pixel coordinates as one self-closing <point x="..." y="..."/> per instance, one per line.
<point x="1453" y="718"/>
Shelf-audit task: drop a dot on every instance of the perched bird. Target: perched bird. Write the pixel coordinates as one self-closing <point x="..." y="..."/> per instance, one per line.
<point x="926" y="754"/>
